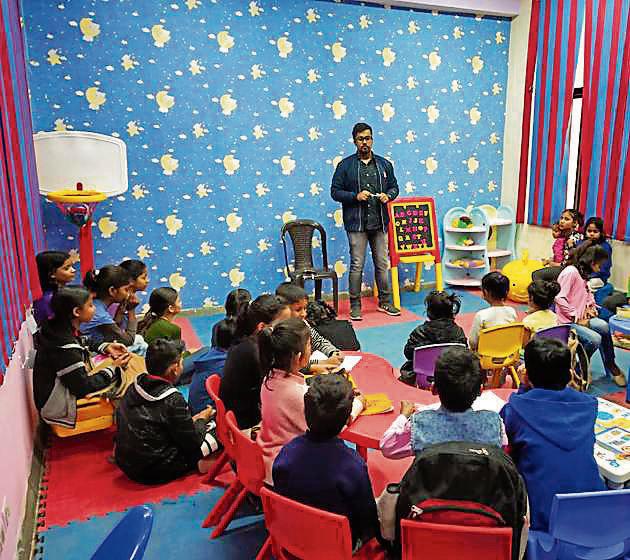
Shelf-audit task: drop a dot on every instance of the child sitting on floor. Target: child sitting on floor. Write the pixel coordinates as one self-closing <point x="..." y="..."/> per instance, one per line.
<point x="440" y="328"/>
<point x="207" y="363"/>
<point x="55" y="270"/>
<point x="158" y="440"/>
<point x="458" y="382"/>
<point x="62" y="362"/>
<point x="139" y="280"/>
<point x="550" y="428"/>
<point x="284" y="352"/>
<point x="297" y="300"/>
<point x="319" y="470"/>
<point x="542" y="295"/>
<point x="112" y="284"/>
<point x="495" y="287"/>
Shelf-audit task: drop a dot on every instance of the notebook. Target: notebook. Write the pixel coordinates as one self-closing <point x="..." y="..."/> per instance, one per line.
<point x="377" y="403"/>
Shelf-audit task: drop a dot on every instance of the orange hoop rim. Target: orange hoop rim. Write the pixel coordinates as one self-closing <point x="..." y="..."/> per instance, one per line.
<point x="73" y="195"/>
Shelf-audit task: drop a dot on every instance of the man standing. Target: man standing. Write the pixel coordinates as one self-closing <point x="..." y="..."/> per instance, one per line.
<point x="364" y="183"/>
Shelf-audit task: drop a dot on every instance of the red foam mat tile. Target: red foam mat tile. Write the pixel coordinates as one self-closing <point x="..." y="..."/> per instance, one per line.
<point x="189" y="335"/>
<point x="371" y="316"/>
<point x="81" y="482"/>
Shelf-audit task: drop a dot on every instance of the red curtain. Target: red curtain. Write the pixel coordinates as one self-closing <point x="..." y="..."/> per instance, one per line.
<point x="21" y="233"/>
<point x="605" y="163"/>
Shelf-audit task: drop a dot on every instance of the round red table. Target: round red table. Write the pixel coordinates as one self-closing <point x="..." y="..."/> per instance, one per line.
<point x="374" y="374"/>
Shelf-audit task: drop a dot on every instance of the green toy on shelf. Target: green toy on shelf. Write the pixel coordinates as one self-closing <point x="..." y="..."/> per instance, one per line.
<point x="462" y="222"/>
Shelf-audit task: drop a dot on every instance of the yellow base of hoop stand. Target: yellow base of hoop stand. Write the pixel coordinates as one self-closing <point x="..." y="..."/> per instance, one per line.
<point x="419" y="260"/>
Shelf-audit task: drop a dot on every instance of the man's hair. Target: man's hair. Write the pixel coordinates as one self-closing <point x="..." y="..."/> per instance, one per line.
<point x="360" y="127"/>
<point x="162" y="354"/>
<point x="291" y="293"/>
<point x="548" y="363"/>
<point x="327" y="405"/>
<point x="458" y="378"/>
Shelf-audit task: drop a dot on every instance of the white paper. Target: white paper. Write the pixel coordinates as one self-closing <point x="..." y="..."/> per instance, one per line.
<point x="486" y="401"/>
<point x="350" y="361"/>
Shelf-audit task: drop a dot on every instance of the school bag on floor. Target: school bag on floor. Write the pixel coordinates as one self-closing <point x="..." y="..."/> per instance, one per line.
<point x="580" y="365"/>
<point x="464" y="483"/>
<point x="323" y="318"/>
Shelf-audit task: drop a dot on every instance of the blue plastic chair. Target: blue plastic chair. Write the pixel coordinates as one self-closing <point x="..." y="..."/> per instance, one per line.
<point x="128" y="540"/>
<point x="592" y="525"/>
<point x="559" y="332"/>
<point x="424" y="359"/>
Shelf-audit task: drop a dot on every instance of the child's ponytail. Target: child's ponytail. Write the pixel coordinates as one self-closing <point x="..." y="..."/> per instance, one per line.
<point x="442" y="305"/>
<point x="159" y="302"/>
<point x="110" y="276"/>
<point x="278" y="346"/>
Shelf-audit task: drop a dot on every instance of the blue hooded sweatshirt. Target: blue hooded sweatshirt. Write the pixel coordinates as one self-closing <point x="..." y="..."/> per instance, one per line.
<point x="551" y="434"/>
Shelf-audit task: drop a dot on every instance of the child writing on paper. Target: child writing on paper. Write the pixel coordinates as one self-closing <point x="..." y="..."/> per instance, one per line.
<point x="495" y="287"/>
<point x="318" y="469"/>
<point x="440" y="328"/>
<point x="284" y="351"/>
<point x="297" y="300"/>
<point x="458" y="382"/>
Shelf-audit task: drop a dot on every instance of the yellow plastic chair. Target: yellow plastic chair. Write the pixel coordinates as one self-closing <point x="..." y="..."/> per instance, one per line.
<point x="93" y="413"/>
<point x="499" y="348"/>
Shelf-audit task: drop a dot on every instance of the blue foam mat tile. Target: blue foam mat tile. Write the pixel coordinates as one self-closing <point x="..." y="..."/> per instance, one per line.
<point x="203" y="325"/>
<point x="176" y="528"/>
<point x="414" y="301"/>
<point x="387" y="342"/>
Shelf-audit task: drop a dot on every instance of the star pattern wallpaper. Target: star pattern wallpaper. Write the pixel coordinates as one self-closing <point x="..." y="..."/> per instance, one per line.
<point x="235" y="114"/>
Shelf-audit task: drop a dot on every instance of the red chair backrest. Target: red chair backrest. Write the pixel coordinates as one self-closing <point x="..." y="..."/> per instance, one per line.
<point x="248" y="456"/>
<point x="304" y="532"/>
<point x="212" y="386"/>
<point x="454" y="542"/>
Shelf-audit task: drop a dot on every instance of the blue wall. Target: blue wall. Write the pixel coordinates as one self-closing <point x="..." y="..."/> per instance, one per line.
<point x="234" y="114"/>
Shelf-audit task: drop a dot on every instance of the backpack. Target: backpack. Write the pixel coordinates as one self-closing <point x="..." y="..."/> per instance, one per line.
<point x="580" y="365"/>
<point x="464" y="483"/>
<point x="322" y="317"/>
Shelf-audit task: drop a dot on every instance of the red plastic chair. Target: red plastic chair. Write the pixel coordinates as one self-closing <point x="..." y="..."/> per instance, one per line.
<point x="212" y="386"/>
<point x="250" y="474"/>
<point x="300" y="532"/>
<point x="454" y="542"/>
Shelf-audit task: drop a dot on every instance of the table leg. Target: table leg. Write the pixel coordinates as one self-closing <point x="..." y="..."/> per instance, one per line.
<point x="362" y="451"/>
<point x="395" y="287"/>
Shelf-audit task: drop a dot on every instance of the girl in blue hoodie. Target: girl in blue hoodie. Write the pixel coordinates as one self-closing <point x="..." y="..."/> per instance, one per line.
<point x="550" y="428"/>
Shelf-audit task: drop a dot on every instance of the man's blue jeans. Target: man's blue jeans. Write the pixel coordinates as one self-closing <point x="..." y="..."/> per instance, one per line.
<point x="358" y="241"/>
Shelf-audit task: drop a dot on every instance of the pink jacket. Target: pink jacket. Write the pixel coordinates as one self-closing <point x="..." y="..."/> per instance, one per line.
<point x="574" y="296"/>
<point x="282" y="410"/>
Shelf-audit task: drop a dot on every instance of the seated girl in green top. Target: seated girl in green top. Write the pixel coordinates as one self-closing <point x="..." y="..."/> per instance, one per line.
<point x="164" y="305"/>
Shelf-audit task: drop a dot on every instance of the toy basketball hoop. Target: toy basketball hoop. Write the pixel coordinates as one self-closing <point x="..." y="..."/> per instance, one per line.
<point x="78" y="207"/>
<point x="80" y="158"/>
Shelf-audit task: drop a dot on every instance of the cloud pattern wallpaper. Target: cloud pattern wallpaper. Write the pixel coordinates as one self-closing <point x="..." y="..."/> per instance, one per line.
<point x="235" y="114"/>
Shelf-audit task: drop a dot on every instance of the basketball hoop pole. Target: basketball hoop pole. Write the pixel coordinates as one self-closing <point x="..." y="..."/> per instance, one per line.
<point x="78" y="207"/>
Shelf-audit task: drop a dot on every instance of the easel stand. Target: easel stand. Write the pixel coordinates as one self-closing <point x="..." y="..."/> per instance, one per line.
<point x="413" y="239"/>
